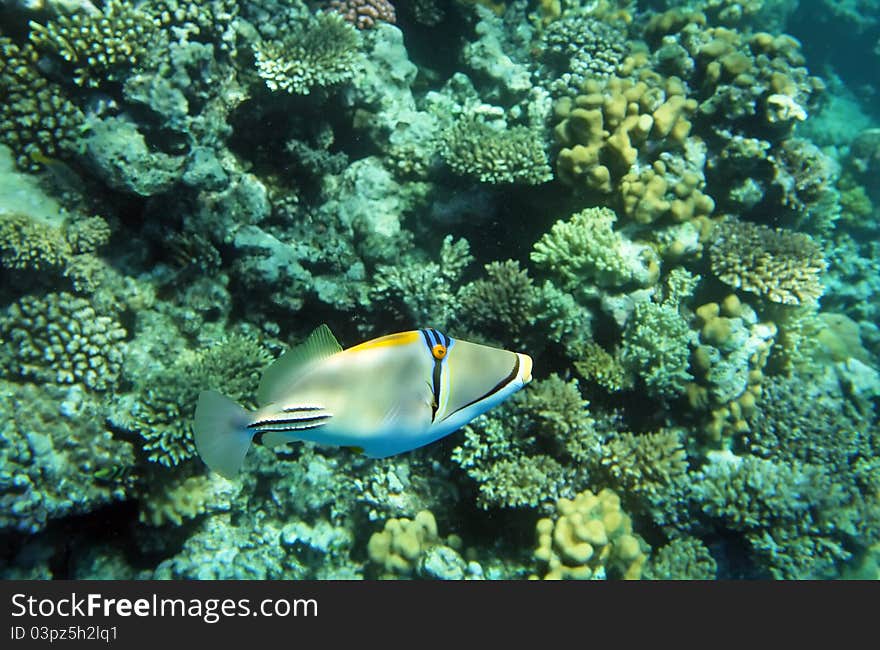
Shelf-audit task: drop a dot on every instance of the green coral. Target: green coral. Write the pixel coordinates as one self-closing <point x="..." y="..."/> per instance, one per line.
<point x="641" y="466"/>
<point x="418" y="291"/>
<point x="37" y="119"/>
<point x="473" y="147"/>
<point x="27" y="244"/>
<point x="656" y="346"/>
<point x="56" y="456"/>
<point x="59" y="338"/>
<point x="507" y="308"/>
<point x="585" y="250"/>
<point x="97" y="45"/>
<point x="686" y="558"/>
<point x="318" y="52"/>
<point x="163" y="410"/>
<point x="530" y="448"/>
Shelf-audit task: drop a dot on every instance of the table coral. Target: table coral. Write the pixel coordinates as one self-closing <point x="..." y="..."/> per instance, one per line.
<point x="781" y="265"/>
<point x="590" y="538"/>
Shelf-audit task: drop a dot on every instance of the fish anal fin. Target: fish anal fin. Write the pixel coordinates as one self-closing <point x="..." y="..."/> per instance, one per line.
<point x="276" y="438"/>
<point x="320" y="344"/>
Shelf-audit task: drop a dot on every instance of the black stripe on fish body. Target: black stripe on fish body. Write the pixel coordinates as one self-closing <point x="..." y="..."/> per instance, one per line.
<point x="435" y="387"/>
<point x="501" y="384"/>
<point x="260" y="433"/>
<point x="292" y="424"/>
<point x="429" y="338"/>
<point x="305" y="409"/>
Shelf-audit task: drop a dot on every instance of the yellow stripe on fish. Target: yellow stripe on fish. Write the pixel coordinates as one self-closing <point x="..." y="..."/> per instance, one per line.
<point x="401" y="338"/>
<point x="386" y="396"/>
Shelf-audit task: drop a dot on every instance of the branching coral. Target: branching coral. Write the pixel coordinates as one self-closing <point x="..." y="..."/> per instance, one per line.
<point x="685" y="558"/>
<point x="530" y="448"/>
<point x="780" y="265"/>
<point x="423" y="292"/>
<point x="30" y="245"/>
<point x="642" y="465"/>
<point x="320" y="52"/>
<point x="37" y="120"/>
<point x="162" y="411"/>
<point x="474" y="147"/>
<point x="590" y="538"/>
<point x="656" y="346"/>
<point x="585" y="250"/>
<point x="96" y="44"/>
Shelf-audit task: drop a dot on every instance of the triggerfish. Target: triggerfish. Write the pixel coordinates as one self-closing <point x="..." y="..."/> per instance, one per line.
<point x="382" y="397"/>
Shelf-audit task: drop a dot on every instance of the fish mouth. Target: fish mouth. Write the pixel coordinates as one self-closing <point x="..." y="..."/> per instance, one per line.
<point x="525" y="362"/>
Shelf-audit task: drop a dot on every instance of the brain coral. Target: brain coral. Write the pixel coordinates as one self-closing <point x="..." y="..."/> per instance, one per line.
<point x="780" y="265"/>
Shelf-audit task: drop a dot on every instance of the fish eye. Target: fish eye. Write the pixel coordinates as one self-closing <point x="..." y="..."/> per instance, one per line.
<point x="439" y="351"/>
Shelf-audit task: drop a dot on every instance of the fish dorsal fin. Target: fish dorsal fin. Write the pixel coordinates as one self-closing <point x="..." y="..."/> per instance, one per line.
<point x="320" y="344"/>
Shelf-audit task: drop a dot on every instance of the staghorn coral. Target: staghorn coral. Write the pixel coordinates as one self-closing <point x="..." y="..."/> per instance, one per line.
<point x="318" y="52"/>
<point x="59" y="338"/>
<point x="474" y="147"/>
<point x="585" y="250"/>
<point x="364" y="14"/>
<point x="780" y="265"/>
<point x="590" y="538"/>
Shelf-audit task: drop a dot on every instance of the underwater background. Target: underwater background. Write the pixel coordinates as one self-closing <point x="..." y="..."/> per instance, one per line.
<point x="672" y="206"/>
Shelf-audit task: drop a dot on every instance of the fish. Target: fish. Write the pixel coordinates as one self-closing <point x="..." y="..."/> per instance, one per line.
<point x="382" y="397"/>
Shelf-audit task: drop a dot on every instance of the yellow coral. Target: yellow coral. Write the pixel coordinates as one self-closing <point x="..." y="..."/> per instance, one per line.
<point x="589" y="538"/>
<point x="397" y="548"/>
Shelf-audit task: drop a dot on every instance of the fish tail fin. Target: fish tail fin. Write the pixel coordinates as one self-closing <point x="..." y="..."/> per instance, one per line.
<point x="221" y="434"/>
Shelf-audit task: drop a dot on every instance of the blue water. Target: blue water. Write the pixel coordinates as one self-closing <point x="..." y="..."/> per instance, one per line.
<point x="670" y="207"/>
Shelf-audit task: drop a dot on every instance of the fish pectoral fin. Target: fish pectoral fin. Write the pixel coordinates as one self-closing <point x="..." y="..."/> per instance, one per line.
<point x="355" y="450"/>
<point x="410" y="413"/>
